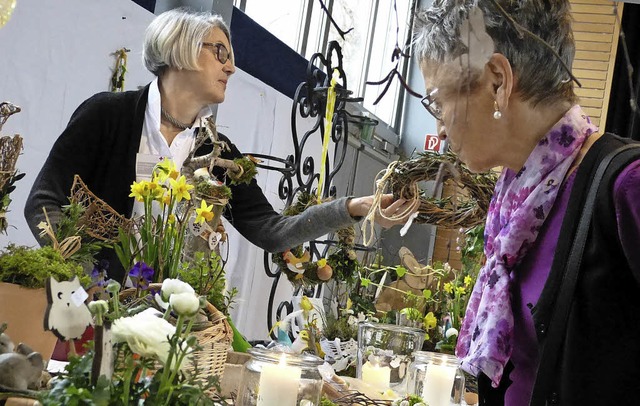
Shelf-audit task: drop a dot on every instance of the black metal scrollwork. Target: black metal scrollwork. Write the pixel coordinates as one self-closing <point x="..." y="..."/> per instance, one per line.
<point x="299" y="170"/>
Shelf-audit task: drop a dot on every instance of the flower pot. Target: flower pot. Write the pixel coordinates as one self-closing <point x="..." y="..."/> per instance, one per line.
<point x="23" y="310"/>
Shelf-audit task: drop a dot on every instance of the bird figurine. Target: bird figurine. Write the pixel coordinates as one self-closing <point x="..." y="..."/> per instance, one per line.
<point x="296" y="264"/>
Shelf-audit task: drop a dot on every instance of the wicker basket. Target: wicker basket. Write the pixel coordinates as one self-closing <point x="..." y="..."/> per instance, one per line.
<point x="214" y="337"/>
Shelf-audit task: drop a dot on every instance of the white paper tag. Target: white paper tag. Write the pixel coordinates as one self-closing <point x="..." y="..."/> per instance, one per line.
<point x="405" y="228"/>
<point x="79" y="296"/>
<point x="145" y="164"/>
<point x="214" y="240"/>
<point x="200" y="229"/>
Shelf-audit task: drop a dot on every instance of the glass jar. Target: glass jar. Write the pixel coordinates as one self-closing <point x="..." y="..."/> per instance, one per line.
<point x="436" y="378"/>
<point x="384" y="354"/>
<point x="273" y="378"/>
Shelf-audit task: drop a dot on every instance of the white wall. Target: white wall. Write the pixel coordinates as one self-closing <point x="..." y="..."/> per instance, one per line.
<point x="55" y="54"/>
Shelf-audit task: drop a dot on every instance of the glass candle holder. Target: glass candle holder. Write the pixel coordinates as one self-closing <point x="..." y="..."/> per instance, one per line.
<point x="384" y="354"/>
<point x="436" y="378"/>
<point x="273" y="378"/>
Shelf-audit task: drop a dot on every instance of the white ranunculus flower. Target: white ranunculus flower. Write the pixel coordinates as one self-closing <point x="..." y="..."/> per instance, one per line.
<point x="451" y="332"/>
<point x="185" y="303"/>
<point x="146" y="333"/>
<point x="171" y="286"/>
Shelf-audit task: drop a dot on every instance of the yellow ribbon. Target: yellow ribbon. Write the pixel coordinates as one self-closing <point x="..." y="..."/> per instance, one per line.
<point x="328" y="125"/>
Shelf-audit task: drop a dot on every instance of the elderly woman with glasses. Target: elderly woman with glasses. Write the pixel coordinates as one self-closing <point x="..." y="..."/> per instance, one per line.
<point x="542" y="326"/>
<point x="112" y="137"/>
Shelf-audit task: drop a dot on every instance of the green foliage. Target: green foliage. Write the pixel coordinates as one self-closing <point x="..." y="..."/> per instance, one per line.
<point x="211" y="190"/>
<point x="70" y="225"/>
<point x="339" y="328"/>
<point x="32" y="267"/>
<point x="326" y="402"/>
<point x="74" y="387"/>
<point x="5" y="200"/>
<point x="249" y="171"/>
<point x="207" y="277"/>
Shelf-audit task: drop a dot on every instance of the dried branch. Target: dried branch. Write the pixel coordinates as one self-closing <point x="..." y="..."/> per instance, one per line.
<point x="333" y="22"/>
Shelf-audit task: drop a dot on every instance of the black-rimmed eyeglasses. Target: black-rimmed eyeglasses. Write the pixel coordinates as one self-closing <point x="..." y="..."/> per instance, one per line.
<point x="221" y="52"/>
<point x="432" y="105"/>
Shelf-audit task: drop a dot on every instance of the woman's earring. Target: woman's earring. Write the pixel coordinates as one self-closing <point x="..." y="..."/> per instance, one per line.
<point x="497" y="115"/>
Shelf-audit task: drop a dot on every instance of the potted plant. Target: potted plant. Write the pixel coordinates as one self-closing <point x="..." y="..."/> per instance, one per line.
<point x="23" y="300"/>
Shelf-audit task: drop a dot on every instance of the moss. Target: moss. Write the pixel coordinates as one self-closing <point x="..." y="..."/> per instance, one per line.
<point x="31" y="268"/>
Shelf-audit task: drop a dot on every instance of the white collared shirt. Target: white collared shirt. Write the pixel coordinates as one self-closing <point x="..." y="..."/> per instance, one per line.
<point x="153" y="143"/>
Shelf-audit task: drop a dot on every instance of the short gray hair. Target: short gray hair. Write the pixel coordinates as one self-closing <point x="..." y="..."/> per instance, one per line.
<point x="541" y="76"/>
<point x="174" y="39"/>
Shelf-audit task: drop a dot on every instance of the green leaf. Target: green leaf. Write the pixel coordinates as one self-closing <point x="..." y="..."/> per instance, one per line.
<point x="426" y="293"/>
<point x="364" y="282"/>
<point x="401" y="271"/>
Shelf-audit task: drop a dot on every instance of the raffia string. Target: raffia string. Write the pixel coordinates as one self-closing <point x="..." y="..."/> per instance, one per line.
<point x="382" y="185"/>
<point x="69" y="245"/>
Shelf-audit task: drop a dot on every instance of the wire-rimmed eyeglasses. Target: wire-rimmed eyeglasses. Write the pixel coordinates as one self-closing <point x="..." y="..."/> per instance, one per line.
<point x="432" y="105"/>
<point x="221" y="52"/>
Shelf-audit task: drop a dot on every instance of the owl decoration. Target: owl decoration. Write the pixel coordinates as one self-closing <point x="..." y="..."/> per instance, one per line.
<point x="67" y="315"/>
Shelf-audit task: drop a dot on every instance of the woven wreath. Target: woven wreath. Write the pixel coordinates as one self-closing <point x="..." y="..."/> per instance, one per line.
<point x="466" y="209"/>
<point x="101" y="221"/>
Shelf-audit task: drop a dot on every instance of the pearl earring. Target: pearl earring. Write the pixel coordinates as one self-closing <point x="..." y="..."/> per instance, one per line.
<point x="497" y="115"/>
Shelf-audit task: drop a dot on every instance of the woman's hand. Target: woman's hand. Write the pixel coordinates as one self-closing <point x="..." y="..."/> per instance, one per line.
<point x="360" y="206"/>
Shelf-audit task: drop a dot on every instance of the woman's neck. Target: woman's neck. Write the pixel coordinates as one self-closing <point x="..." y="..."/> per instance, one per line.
<point x="177" y="101"/>
<point x="527" y="126"/>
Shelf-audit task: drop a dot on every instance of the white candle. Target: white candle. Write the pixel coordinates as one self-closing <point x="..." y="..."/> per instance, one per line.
<point x="279" y="384"/>
<point x="376" y="375"/>
<point x="438" y="384"/>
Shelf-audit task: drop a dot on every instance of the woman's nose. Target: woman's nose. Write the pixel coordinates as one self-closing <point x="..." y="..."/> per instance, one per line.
<point x="229" y="67"/>
<point x="442" y="131"/>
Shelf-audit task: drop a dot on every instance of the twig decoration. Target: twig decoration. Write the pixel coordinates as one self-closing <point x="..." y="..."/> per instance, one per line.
<point x="120" y="69"/>
<point x="333" y="22"/>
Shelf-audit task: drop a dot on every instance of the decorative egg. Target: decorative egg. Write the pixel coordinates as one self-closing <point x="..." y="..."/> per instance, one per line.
<point x="325" y="273"/>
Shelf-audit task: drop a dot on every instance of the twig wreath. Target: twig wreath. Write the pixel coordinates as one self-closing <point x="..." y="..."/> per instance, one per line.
<point x="402" y="178"/>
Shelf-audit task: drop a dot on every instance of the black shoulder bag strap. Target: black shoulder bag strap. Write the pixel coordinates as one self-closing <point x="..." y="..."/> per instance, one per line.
<point x="550" y="354"/>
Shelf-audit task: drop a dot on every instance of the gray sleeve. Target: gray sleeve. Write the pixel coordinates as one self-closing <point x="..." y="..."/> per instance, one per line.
<point x="280" y="233"/>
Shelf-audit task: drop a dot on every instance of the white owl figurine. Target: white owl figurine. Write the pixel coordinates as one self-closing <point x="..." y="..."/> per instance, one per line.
<point x="67" y="314"/>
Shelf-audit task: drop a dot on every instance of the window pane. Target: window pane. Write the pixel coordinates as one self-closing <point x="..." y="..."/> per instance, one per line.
<point x="356" y="14"/>
<point x="281" y="18"/>
<point x="384" y="41"/>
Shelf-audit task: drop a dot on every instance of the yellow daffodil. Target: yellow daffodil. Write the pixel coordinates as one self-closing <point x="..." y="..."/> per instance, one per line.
<point x="204" y="213"/>
<point x="138" y="191"/>
<point x="165" y="199"/>
<point x="321" y="262"/>
<point x="467" y="280"/>
<point x="305" y="304"/>
<point x="171" y="219"/>
<point x="165" y="169"/>
<point x="180" y="188"/>
<point x="430" y="321"/>
<point x="448" y="287"/>
<point x="349" y="303"/>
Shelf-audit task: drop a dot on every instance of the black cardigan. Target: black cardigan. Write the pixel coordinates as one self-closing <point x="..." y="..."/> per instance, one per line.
<point x="600" y="360"/>
<point x="100" y="144"/>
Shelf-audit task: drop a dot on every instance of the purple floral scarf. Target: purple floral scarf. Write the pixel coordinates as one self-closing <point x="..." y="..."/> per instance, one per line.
<point x="519" y="207"/>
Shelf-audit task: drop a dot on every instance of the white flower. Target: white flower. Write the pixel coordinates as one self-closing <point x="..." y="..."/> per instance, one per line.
<point x="451" y="332"/>
<point x="185" y="303"/>
<point x="171" y="286"/>
<point x="446" y="267"/>
<point x="146" y="334"/>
